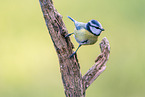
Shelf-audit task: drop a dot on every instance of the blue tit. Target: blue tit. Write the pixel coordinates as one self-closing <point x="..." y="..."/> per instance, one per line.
<point x="86" y="33"/>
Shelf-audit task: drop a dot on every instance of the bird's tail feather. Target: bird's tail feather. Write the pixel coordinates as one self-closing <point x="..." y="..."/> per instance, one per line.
<point x="71" y="19"/>
<point x="77" y="24"/>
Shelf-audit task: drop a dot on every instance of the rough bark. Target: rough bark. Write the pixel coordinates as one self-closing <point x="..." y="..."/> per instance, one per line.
<point x="99" y="66"/>
<point x="74" y="84"/>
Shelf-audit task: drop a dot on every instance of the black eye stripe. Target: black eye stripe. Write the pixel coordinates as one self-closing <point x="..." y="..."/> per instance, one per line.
<point x="95" y="27"/>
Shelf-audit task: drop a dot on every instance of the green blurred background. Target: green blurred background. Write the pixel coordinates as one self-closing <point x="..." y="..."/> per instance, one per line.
<point x="29" y="65"/>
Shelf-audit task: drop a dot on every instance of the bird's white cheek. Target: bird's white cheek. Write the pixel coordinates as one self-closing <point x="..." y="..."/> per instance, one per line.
<point x="95" y="31"/>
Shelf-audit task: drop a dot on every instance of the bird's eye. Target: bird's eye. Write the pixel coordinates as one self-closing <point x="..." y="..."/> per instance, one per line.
<point x="97" y="27"/>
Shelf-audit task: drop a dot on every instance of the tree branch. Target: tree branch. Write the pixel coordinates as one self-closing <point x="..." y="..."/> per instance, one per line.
<point x="99" y="66"/>
<point x="74" y="84"/>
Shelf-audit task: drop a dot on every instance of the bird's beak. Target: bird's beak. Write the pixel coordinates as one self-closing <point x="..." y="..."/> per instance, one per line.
<point x="102" y="29"/>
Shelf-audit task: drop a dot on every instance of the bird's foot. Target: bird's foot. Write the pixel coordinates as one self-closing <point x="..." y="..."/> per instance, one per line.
<point x="72" y="54"/>
<point x="68" y="35"/>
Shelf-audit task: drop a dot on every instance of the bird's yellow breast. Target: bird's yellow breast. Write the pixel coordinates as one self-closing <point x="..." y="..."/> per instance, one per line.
<point x="83" y="35"/>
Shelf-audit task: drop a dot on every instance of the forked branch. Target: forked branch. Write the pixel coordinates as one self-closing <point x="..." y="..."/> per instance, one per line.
<point x="99" y="66"/>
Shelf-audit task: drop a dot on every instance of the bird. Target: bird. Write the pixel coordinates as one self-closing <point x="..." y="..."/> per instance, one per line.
<point x="85" y="33"/>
